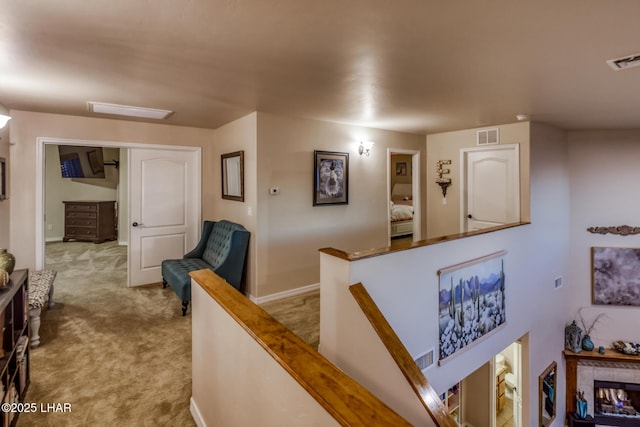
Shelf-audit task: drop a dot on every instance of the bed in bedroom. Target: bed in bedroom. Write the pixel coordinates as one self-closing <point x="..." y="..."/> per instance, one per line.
<point x="401" y="210"/>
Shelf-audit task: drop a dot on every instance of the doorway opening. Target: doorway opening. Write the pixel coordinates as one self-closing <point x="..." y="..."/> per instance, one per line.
<point x="155" y="160"/>
<point x="403" y="194"/>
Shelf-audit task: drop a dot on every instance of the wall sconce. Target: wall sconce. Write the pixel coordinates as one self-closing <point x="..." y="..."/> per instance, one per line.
<point x="3" y="120"/>
<point x="365" y="147"/>
<point x="443" y="182"/>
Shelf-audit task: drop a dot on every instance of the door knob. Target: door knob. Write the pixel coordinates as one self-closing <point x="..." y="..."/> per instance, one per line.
<point x="135" y="224"/>
<point x="470" y="216"/>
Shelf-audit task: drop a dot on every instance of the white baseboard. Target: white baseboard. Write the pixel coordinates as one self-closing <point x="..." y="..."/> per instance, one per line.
<point x="123" y="243"/>
<point x="285" y="294"/>
<point x="53" y="239"/>
<point x="195" y="413"/>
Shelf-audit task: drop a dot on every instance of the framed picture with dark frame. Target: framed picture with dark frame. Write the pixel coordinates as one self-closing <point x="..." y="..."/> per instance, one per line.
<point x="330" y="178"/>
<point x="95" y="161"/>
<point x="232" y="165"/>
<point x="615" y="273"/>
<point x="3" y="178"/>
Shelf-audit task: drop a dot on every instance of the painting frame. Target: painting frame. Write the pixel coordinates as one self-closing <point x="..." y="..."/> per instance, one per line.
<point x="613" y="276"/>
<point x="471" y="303"/>
<point x="401" y="169"/>
<point x="330" y="178"/>
<point x="3" y="178"/>
<point x="96" y="164"/>
<point x="232" y="168"/>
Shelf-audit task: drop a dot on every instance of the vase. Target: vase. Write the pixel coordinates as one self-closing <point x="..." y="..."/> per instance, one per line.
<point x="587" y="344"/>
<point x="581" y="409"/>
<point x="7" y="261"/>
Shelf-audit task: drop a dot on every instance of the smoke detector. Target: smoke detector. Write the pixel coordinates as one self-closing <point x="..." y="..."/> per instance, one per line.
<point x="625" y="62"/>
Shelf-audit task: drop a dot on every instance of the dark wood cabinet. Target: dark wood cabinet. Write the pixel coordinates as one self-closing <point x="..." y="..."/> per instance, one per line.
<point x="91" y="221"/>
<point x="14" y="360"/>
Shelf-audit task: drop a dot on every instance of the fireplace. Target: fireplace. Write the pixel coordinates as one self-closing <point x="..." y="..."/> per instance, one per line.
<point x="616" y="403"/>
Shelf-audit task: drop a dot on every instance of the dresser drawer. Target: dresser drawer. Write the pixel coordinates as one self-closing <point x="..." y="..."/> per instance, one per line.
<point x="79" y="207"/>
<point x="83" y="222"/>
<point x="81" y="231"/>
<point x="83" y="215"/>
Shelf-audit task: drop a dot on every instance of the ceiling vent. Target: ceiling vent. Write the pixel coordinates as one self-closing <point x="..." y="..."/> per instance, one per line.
<point x="488" y="137"/>
<point x="624" y="63"/>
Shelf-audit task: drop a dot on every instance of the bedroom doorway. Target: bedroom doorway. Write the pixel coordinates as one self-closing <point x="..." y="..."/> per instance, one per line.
<point x="403" y="194"/>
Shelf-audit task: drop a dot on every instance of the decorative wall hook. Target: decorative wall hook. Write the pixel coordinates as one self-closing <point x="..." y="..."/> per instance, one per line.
<point x="443" y="182"/>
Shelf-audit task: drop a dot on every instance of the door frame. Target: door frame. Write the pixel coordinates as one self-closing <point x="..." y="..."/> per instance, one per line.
<point x="41" y="142"/>
<point x="463" y="177"/>
<point x="415" y="191"/>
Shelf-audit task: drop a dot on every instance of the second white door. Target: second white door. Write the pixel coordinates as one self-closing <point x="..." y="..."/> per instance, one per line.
<point x="491" y="191"/>
<point x="164" y="207"/>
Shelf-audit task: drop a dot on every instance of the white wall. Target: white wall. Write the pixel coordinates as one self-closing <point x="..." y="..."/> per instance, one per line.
<point x="604" y="176"/>
<point x="4" y="204"/>
<point x="290" y="228"/>
<point x="239" y="135"/>
<point x="405" y="287"/>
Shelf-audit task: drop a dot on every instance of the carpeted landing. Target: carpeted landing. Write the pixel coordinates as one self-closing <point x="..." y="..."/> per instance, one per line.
<point x="118" y="355"/>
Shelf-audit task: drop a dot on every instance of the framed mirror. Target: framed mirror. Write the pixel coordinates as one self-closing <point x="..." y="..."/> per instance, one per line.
<point x="233" y="176"/>
<point x="547" y="395"/>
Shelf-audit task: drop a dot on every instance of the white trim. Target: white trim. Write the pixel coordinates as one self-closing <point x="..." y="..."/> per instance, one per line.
<point x="41" y="141"/>
<point x="285" y="294"/>
<point x="195" y="413"/>
<point x="53" y="239"/>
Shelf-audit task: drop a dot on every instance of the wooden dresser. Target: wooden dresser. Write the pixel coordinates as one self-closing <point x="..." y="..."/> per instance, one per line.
<point x="91" y="221"/>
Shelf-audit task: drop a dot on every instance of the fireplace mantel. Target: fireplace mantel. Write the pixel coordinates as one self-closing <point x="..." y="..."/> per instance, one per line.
<point x="572" y="359"/>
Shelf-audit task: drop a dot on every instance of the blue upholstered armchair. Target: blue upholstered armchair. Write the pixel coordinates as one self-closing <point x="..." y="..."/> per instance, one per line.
<point x="222" y="248"/>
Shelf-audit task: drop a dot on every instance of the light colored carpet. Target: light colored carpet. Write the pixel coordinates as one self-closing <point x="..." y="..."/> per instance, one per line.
<point x="122" y="356"/>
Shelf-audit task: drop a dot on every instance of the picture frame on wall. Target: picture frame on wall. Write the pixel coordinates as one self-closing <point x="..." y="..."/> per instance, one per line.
<point x="614" y="274"/>
<point x="330" y="178"/>
<point x="471" y="303"/>
<point x="3" y="178"/>
<point x="401" y="169"/>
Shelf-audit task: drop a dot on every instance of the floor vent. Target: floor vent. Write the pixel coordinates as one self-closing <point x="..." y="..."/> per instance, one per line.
<point x="426" y="360"/>
<point x="488" y="137"/>
<point x="625" y="62"/>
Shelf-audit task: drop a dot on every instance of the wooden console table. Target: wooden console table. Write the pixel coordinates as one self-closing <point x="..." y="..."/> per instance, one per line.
<point x="572" y="360"/>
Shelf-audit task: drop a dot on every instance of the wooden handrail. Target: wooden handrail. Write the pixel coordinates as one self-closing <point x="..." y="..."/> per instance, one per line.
<point x="348" y="402"/>
<point x="368" y="253"/>
<point x="427" y="395"/>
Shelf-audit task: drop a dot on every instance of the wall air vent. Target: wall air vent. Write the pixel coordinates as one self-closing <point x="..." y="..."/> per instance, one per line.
<point x="624" y="63"/>
<point x="488" y="136"/>
<point x="426" y="360"/>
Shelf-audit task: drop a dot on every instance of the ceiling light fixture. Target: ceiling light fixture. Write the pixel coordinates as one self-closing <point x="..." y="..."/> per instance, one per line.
<point x="625" y="62"/>
<point x="3" y="120"/>
<point x="127" y="110"/>
<point x="522" y="117"/>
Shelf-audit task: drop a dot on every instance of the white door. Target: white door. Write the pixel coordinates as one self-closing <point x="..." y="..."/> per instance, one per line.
<point x="491" y="187"/>
<point x="164" y="206"/>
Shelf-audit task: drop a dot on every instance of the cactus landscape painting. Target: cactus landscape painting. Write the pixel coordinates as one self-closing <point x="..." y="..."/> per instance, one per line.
<point x="471" y="302"/>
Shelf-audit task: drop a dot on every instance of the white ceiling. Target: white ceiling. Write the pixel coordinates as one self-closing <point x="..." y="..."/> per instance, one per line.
<point x="420" y="66"/>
